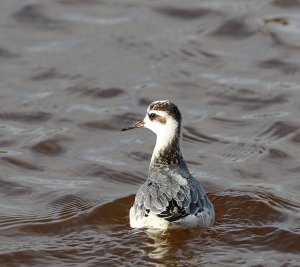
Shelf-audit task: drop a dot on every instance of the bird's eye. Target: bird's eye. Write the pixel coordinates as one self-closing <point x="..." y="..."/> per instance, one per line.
<point x="152" y="116"/>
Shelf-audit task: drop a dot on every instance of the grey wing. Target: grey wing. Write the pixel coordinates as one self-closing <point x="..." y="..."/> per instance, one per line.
<point x="169" y="200"/>
<point x="198" y="199"/>
<point x="151" y="198"/>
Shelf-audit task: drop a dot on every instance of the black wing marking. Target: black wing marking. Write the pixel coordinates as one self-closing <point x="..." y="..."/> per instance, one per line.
<point x="173" y="212"/>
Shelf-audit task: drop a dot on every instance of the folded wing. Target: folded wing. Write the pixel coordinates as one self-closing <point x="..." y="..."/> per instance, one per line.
<point x="170" y="200"/>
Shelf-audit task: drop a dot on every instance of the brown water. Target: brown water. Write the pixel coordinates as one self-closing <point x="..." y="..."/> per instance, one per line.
<point x="74" y="72"/>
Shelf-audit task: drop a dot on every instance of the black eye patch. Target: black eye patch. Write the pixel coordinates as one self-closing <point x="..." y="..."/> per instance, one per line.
<point x="152" y="116"/>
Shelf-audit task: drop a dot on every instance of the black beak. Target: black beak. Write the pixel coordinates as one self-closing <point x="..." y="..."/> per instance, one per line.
<point x="139" y="124"/>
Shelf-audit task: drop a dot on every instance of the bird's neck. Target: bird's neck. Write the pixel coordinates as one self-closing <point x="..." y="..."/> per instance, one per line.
<point x="167" y="149"/>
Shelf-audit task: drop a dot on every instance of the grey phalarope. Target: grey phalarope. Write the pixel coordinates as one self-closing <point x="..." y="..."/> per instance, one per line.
<point x="171" y="197"/>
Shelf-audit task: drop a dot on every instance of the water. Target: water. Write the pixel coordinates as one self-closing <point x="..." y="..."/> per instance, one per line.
<point x="73" y="73"/>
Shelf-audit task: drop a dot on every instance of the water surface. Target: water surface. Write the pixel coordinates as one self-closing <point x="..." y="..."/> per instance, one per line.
<point x="74" y="72"/>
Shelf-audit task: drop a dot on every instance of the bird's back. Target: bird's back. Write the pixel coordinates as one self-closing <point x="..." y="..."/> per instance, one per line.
<point x="173" y="196"/>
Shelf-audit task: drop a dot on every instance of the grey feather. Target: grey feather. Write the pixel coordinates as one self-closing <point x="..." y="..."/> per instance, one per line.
<point x="147" y="202"/>
<point x="164" y="186"/>
<point x="194" y="195"/>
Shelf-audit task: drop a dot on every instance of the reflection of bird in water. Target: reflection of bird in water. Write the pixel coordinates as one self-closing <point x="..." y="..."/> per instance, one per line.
<point x="171" y="197"/>
<point x="166" y="246"/>
<point x="161" y="246"/>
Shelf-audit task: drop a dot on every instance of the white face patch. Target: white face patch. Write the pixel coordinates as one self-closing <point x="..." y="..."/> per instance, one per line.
<point x="164" y="123"/>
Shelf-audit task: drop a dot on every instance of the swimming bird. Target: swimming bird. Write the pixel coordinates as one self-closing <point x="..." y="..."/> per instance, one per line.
<point x="171" y="197"/>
